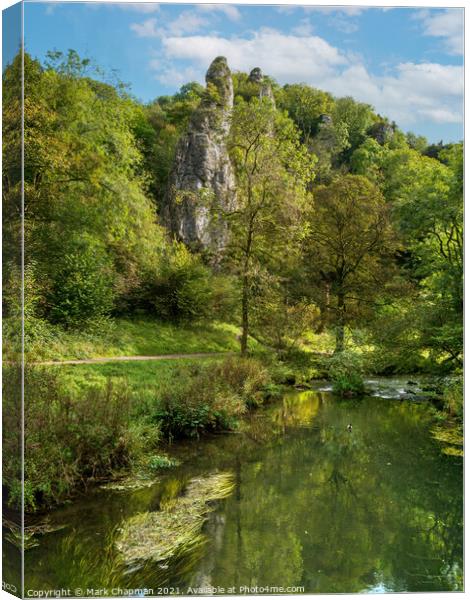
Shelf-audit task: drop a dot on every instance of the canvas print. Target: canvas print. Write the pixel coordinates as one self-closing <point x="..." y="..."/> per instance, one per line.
<point x="232" y="299"/>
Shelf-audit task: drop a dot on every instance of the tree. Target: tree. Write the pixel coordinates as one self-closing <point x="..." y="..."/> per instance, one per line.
<point x="349" y="249"/>
<point x="367" y="160"/>
<point x="183" y="290"/>
<point x="328" y="144"/>
<point x="416" y="142"/>
<point x="357" y="117"/>
<point x="272" y="169"/>
<point x="427" y="195"/>
<point x="305" y="106"/>
<point x="83" y="287"/>
<point x="82" y="173"/>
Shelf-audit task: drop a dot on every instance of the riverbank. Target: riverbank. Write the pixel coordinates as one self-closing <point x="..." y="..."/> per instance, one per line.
<point x="91" y="423"/>
<point x="303" y="487"/>
<point x="104" y="420"/>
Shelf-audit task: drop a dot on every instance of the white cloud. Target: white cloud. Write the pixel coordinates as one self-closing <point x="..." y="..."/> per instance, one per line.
<point x="351" y="11"/>
<point x="344" y="25"/>
<point x="144" y="7"/>
<point x="432" y="78"/>
<point x="228" y="10"/>
<point x="304" y="28"/>
<point x="186" y="22"/>
<point x="288" y="57"/>
<point x="175" y="76"/>
<point x="341" y="18"/>
<point x="146" y="29"/>
<point x="447" y="24"/>
<point x="408" y="93"/>
<point x="412" y="92"/>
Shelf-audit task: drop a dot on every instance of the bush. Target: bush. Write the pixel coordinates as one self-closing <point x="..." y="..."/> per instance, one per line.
<point x="196" y="402"/>
<point x="453" y="398"/>
<point x="83" y="286"/>
<point x="346" y="372"/>
<point x="182" y="291"/>
<point x="12" y="431"/>
<point x="210" y="397"/>
<point x="246" y="377"/>
<point x="73" y="439"/>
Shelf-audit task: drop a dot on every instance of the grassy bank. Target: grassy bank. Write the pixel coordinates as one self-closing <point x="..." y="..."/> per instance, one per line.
<point x="92" y="423"/>
<point x="136" y="376"/>
<point x="130" y="337"/>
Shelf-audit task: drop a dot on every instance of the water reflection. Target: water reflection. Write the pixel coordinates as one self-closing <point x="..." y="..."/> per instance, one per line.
<point x="315" y="505"/>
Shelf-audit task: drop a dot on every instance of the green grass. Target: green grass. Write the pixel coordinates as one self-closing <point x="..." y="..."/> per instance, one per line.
<point x="96" y="421"/>
<point x="137" y="336"/>
<point x="139" y="375"/>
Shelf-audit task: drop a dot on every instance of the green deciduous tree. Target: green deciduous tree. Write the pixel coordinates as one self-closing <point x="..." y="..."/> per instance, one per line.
<point x="357" y="117"/>
<point x="428" y="205"/>
<point x="182" y="291"/>
<point x="82" y="174"/>
<point x="272" y="169"/>
<point x="348" y="250"/>
<point x="83" y="284"/>
<point x="305" y="106"/>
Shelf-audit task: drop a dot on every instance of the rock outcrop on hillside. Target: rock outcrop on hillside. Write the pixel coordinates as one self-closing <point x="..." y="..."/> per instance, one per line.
<point x="202" y="173"/>
<point x="265" y="90"/>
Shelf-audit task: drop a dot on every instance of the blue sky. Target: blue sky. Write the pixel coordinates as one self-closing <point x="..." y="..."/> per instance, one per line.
<point x="407" y="63"/>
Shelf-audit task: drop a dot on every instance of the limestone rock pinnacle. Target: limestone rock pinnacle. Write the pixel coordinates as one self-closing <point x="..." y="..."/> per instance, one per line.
<point x="202" y="173"/>
<point x="256" y="76"/>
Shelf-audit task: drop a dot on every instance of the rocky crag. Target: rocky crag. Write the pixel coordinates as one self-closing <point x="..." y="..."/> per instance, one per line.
<point x="202" y="173"/>
<point x="265" y="91"/>
<point x="202" y="177"/>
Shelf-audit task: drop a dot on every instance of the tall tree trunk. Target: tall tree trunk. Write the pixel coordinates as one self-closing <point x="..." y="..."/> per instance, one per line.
<point x="245" y="321"/>
<point x="341" y="310"/>
<point x="324" y="308"/>
<point x="246" y="287"/>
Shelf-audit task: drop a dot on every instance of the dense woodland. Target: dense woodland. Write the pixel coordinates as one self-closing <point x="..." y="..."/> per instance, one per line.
<point x="346" y="245"/>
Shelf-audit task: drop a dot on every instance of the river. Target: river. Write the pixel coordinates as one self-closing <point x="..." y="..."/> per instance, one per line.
<point x="315" y="507"/>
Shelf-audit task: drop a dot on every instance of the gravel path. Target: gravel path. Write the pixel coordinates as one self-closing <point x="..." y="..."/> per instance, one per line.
<point x="91" y="361"/>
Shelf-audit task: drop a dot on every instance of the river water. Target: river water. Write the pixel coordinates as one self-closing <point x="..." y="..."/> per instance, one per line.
<point x="315" y="507"/>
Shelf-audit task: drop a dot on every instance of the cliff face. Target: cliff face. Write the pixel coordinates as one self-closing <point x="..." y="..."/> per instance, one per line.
<point x="202" y="167"/>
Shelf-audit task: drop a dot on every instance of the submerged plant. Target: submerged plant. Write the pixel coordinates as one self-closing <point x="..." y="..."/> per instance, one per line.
<point x="175" y="529"/>
<point x="161" y="461"/>
<point x="450" y="435"/>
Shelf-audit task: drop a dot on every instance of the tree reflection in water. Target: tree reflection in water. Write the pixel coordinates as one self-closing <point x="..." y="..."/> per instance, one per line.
<point x="377" y="508"/>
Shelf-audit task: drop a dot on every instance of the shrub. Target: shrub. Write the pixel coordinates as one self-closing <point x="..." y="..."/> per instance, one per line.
<point x="210" y="397"/>
<point x="182" y="291"/>
<point x="83" y="285"/>
<point x="346" y="372"/>
<point x="246" y="377"/>
<point x="196" y="402"/>
<point x="74" y="439"/>
<point x="12" y="432"/>
<point x="453" y="398"/>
